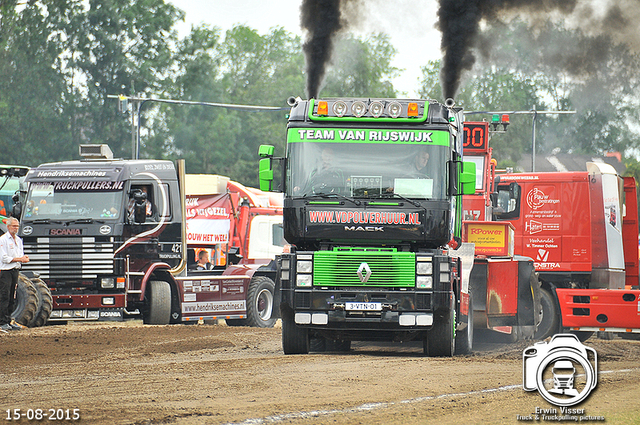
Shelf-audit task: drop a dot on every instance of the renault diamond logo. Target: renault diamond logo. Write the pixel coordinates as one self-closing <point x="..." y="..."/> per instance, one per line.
<point x="364" y="272"/>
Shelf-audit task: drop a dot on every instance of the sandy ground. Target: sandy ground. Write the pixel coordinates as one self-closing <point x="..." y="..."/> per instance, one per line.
<point x="127" y="373"/>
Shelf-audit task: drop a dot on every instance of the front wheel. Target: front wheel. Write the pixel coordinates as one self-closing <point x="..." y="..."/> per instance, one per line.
<point x="550" y="321"/>
<point x="260" y="298"/>
<point x="158" y="301"/>
<point x="441" y="339"/>
<point x="464" y="338"/>
<point x="295" y="340"/>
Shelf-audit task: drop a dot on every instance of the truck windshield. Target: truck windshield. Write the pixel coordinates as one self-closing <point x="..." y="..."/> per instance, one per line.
<point x="74" y="200"/>
<point x="361" y="170"/>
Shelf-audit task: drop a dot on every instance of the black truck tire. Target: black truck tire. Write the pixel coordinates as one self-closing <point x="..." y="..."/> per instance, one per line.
<point x="45" y="303"/>
<point x="464" y="338"/>
<point x="26" y="301"/>
<point x="158" y="303"/>
<point x="441" y="339"/>
<point x="550" y="323"/>
<point x="260" y="302"/>
<point x="295" y="340"/>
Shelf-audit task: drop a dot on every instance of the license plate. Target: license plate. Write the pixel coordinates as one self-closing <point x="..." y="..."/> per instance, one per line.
<point x="364" y="306"/>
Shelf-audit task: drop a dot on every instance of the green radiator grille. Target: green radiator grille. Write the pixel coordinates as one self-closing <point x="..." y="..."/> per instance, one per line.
<point x="388" y="267"/>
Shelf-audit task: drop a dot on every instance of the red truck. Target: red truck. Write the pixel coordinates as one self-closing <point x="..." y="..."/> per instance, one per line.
<point x="580" y="229"/>
<point x="239" y="229"/>
<point x="504" y="283"/>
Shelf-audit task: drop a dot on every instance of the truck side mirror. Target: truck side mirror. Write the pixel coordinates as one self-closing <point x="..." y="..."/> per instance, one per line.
<point x="493" y="197"/>
<point x="16" y="209"/>
<point x="266" y="151"/>
<point x="468" y="178"/>
<point x="514" y="190"/>
<point x="265" y="174"/>
<point x="265" y="168"/>
<point x="139" y="212"/>
<point x="234" y="255"/>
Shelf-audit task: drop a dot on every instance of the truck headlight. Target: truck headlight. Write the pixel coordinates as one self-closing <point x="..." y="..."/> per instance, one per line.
<point x="107" y="283"/>
<point x="108" y="300"/>
<point x="304" y="266"/>
<point x="304" y="280"/>
<point x="424" y="267"/>
<point x="424" y="282"/>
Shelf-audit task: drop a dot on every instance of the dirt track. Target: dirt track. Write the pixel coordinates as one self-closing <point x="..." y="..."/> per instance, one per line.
<point x="127" y="373"/>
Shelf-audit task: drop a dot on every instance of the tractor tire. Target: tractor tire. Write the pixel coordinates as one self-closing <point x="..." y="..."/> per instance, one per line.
<point x="295" y="340"/>
<point x="260" y="302"/>
<point x="158" y="300"/>
<point x="550" y="323"/>
<point x="26" y="301"/>
<point x="464" y="338"/>
<point x="45" y="303"/>
<point x="441" y="339"/>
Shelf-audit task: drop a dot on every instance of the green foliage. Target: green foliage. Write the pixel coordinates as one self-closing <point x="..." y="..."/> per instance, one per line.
<point x="34" y="95"/>
<point x="361" y="68"/>
<point x="59" y="59"/>
<point x="245" y="68"/>
<point x="551" y="68"/>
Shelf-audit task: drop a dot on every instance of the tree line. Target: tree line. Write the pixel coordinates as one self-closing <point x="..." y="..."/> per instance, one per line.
<point x="60" y="59"/>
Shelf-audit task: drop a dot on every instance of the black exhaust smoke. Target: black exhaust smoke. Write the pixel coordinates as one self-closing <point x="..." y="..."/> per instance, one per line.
<point x="322" y="21"/>
<point x="459" y="22"/>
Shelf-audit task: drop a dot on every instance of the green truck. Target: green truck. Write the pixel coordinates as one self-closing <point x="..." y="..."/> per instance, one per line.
<point x="372" y="202"/>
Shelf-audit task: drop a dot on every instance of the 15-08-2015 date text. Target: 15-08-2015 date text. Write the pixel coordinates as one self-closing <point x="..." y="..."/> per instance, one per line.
<point x="43" y="414"/>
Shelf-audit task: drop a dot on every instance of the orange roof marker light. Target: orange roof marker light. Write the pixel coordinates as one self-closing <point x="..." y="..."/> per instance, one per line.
<point x="323" y="108"/>
<point x="412" y="109"/>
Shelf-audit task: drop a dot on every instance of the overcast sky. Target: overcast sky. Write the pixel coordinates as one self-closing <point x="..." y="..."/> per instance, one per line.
<point x="411" y="28"/>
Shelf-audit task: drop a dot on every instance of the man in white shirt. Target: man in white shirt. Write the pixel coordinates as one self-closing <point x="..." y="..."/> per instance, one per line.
<point x="11" y="258"/>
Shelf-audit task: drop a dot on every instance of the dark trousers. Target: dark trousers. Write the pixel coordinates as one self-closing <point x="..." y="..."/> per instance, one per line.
<point x="8" y="283"/>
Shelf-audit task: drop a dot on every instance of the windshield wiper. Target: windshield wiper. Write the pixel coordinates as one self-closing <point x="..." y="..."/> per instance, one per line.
<point x="412" y="202"/>
<point x="84" y="221"/>
<point x="45" y="221"/>
<point x="332" y="195"/>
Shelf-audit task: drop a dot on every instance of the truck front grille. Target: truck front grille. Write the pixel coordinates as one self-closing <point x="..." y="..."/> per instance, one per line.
<point x="389" y="268"/>
<point x="69" y="258"/>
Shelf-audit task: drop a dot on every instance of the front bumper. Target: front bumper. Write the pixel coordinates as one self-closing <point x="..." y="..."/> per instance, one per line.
<point x="398" y="309"/>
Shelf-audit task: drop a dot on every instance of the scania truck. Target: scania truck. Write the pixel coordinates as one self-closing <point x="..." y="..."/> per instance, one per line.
<point x="372" y="199"/>
<point x="109" y="238"/>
